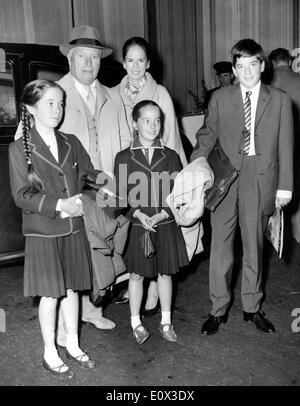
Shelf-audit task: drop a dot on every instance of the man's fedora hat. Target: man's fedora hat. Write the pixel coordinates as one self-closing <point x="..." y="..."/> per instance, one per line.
<point x="85" y="36"/>
<point x="223" y="67"/>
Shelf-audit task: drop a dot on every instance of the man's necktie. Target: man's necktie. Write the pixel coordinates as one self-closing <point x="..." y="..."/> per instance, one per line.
<point x="247" y="111"/>
<point x="90" y="100"/>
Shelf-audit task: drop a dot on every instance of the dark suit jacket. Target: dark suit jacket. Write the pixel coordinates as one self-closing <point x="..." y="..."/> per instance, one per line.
<point x="152" y="198"/>
<point x="62" y="179"/>
<point x="273" y="137"/>
<point x="285" y="79"/>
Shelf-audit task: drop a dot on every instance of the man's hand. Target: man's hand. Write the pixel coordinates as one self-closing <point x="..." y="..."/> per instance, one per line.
<point x="282" y="201"/>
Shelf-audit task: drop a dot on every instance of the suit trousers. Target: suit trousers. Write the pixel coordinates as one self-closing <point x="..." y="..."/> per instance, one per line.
<point x="242" y="205"/>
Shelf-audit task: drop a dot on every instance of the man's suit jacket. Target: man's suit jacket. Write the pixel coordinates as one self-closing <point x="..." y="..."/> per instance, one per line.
<point x="114" y="132"/>
<point x="285" y="79"/>
<point x="273" y="137"/>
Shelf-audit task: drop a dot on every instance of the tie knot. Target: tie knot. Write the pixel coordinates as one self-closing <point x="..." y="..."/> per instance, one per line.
<point x="248" y="94"/>
<point x="88" y="89"/>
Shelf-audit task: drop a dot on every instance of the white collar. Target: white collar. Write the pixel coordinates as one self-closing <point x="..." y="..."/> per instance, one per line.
<point x="82" y="89"/>
<point x="254" y="91"/>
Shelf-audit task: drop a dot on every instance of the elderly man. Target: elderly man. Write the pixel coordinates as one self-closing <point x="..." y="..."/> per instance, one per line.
<point x="94" y="113"/>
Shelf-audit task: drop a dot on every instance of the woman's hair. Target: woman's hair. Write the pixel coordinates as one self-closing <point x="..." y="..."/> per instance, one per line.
<point x="32" y="93"/>
<point x="141" y="42"/>
<point x="136" y="113"/>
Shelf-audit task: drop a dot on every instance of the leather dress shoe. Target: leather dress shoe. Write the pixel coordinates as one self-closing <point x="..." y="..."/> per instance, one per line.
<point x="122" y="300"/>
<point x="211" y="325"/>
<point x="150" y="312"/>
<point x="261" y="322"/>
<point x="102" y="323"/>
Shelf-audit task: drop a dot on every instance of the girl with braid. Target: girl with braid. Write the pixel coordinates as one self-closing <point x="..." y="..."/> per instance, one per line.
<point x="45" y="176"/>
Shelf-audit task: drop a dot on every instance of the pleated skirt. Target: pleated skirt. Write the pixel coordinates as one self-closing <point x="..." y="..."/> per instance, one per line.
<point x="170" y="250"/>
<point x="53" y="265"/>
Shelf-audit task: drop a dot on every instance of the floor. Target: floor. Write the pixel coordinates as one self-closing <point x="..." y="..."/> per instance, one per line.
<point x="238" y="355"/>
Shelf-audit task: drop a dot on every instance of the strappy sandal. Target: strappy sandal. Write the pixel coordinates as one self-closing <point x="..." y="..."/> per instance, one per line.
<point x="57" y="371"/>
<point x="169" y="333"/>
<point x="141" y="334"/>
<point x="89" y="363"/>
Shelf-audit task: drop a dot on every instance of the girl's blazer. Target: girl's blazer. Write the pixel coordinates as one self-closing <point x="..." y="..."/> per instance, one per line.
<point x="62" y="180"/>
<point x="147" y="186"/>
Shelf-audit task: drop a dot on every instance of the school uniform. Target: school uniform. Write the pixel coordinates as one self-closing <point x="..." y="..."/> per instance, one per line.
<point x="57" y="253"/>
<point x="168" y="240"/>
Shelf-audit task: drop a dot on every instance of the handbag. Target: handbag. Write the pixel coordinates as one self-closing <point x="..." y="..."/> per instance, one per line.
<point x="224" y="175"/>
<point x="147" y="245"/>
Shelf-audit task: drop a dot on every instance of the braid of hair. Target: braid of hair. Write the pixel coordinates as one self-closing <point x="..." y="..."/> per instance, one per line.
<point x="35" y="180"/>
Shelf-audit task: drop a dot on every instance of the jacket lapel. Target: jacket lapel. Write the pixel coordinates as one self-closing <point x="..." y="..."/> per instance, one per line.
<point x="40" y="149"/>
<point x="237" y="100"/>
<point x="64" y="148"/>
<point x="263" y="100"/>
<point x="158" y="156"/>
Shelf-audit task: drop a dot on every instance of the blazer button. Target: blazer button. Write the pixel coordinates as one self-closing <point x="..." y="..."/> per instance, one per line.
<point x="60" y="174"/>
<point x="64" y="190"/>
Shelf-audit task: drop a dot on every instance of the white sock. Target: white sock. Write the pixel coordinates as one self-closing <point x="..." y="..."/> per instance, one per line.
<point x="135" y="321"/>
<point x="165" y="317"/>
<point x="52" y="358"/>
<point x="73" y="346"/>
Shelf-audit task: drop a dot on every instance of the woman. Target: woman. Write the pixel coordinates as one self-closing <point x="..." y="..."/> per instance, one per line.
<point x="139" y="85"/>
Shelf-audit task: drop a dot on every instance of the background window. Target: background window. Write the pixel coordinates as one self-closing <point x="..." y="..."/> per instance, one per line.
<point x="8" y="113"/>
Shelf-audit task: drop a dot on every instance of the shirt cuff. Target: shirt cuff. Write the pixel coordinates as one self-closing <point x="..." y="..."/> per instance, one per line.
<point x="63" y="214"/>
<point x="284" y="194"/>
<point x="165" y="213"/>
<point x="58" y="205"/>
<point x="136" y="212"/>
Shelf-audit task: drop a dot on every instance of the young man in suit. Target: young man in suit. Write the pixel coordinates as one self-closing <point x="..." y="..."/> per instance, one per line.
<point x="253" y="123"/>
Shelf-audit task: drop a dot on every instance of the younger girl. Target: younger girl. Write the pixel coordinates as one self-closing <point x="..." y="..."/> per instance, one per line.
<point x="45" y="167"/>
<point x="145" y="160"/>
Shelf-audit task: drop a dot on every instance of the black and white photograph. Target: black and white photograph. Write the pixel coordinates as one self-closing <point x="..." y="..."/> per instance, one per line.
<point x="146" y="148"/>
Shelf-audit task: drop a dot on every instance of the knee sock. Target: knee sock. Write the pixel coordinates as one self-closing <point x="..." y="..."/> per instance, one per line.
<point x="165" y="317"/>
<point x="135" y="321"/>
<point x="73" y="346"/>
<point x="52" y="358"/>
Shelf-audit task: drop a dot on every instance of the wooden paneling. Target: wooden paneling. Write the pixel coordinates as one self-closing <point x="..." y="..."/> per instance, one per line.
<point x="12" y="20"/>
<point x="52" y="21"/>
<point x="218" y="25"/>
<point x="175" y="42"/>
<point x="91" y="13"/>
<point x="122" y="20"/>
<point x="117" y="20"/>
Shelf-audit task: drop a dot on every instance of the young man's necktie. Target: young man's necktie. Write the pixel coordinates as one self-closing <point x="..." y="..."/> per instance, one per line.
<point x="247" y="112"/>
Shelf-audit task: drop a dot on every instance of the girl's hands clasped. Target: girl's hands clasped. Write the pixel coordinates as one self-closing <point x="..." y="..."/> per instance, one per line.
<point x="145" y="220"/>
<point x="150" y="222"/>
<point x="72" y="206"/>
